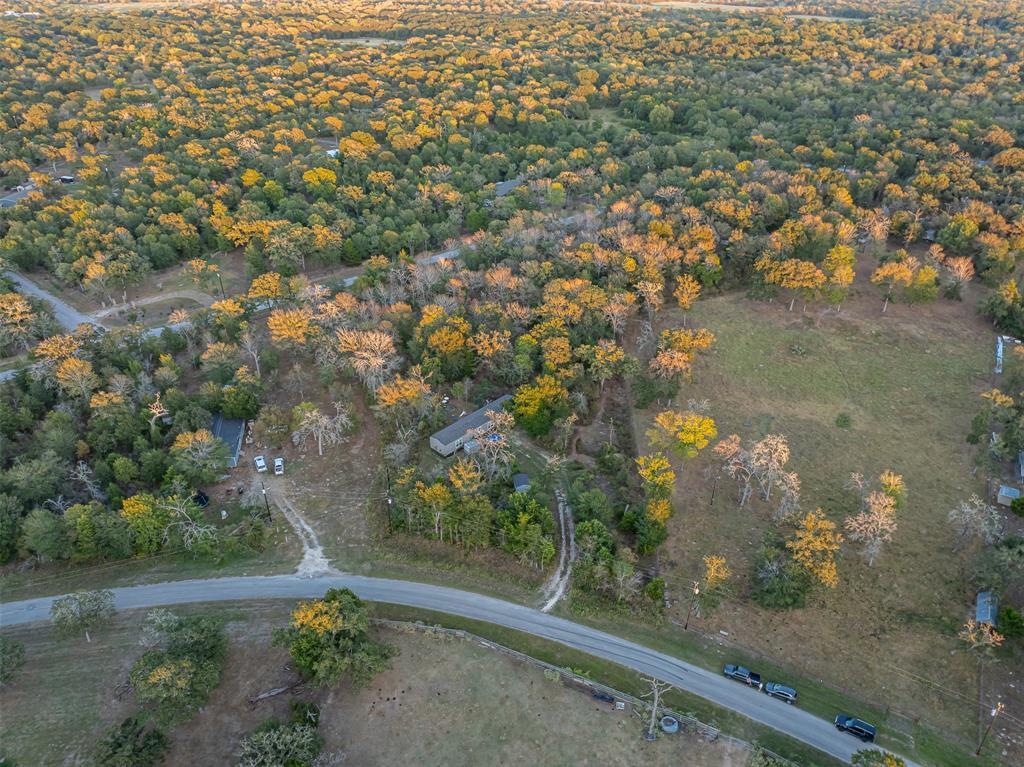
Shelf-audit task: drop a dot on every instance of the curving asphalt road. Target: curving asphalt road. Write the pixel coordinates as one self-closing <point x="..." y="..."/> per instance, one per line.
<point x="67" y="315"/>
<point x="789" y="720"/>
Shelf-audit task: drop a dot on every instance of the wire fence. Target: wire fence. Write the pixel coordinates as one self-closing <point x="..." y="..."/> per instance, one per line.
<point x="687" y="723"/>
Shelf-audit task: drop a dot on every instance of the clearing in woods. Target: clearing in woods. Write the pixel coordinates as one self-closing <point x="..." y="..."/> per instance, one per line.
<point x="416" y="713"/>
<point x="909" y="382"/>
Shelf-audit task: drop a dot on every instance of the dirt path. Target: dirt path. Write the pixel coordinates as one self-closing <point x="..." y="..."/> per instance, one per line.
<point x="192" y="295"/>
<point x="555" y="588"/>
<point x="314" y="563"/>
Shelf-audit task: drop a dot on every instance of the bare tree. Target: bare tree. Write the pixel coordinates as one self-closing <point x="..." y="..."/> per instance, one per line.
<point x="83" y="473"/>
<point x="186" y="522"/>
<point x="312" y="422"/>
<point x="397" y="451"/>
<point x="251" y="344"/>
<point x="658" y="690"/>
<point x="975" y="519"/>
<point x="874" y="525"/>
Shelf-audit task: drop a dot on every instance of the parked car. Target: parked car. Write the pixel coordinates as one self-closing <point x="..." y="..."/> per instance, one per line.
<point x="780" y="691"/>
<point x="741" y="674"/>
<point x="261" y="463"/>
<point x="279" y="466"/>
<point x="856" y="727"/>
<point x="66" y="179"/>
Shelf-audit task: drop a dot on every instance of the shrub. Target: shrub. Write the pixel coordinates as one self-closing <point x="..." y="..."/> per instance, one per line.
<point x="778" y="583"/>
<point x="1017" y="506"/>
<point x="1011" y="622"/>
<point x="129" y="744"/>
<point x="843" y="421"/>
<point x="648" y="389"/>
<point x="12" y="657"/>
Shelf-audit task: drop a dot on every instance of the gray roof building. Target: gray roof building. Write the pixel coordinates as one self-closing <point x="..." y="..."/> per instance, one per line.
<point x="987" y="608"/>
<point x="502" y="188"/>
<point x="230" y="431"/>
<point x="521" y="482"/>
<point x="452" y="437"/>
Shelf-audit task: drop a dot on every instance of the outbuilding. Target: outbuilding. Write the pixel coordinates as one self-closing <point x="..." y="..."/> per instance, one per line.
<point x="229" y="431"/>
<point x="1007" y="495"/>
<point x="986" y="610"/>
<point x="452" y="437"/>
<point x="521" y="482"/>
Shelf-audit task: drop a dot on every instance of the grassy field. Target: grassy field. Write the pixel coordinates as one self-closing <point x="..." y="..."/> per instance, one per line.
<point x="909" y="382"/>
<point x="445" y="701"/>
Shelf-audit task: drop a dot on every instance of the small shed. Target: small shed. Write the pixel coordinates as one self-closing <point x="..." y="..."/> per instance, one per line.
<point x="1007" y="495"/>
<point x="1020" y="466"/>
<point x="986" y="609"/>
<point x="521" y="482"/>
<point x="452" y="437"/>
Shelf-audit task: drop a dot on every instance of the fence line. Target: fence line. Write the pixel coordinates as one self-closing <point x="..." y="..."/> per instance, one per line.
<point x="686" y="721"/>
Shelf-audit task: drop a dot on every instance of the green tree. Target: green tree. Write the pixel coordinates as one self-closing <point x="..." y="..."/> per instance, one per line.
<point x="275" y="743"/>
<point x="46" y="535"/>
<point x="660" y="117"/>
<point x="131" y="744"/>
<point x="176" y="677"/>
<point x="10" y="527"/>
<point x="328" y="638"/>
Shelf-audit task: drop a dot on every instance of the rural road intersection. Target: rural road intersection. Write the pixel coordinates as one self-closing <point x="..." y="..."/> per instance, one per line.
<point x="789" y="720"/>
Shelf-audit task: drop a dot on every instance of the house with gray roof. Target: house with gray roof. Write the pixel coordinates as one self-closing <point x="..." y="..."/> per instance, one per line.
<point x="452" y="437"/>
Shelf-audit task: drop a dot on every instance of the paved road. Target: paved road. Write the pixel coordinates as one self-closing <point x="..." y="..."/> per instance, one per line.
<point x="786" y="719"/>
<point x="68" y="316"/>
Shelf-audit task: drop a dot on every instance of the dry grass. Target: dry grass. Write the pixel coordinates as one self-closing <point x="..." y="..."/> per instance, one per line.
<point x="910" y="386"/>
<point x="444" y="702"/>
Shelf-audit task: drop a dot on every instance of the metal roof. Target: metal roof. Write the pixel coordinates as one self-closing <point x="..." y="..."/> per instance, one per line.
<point x="474" y="420"/>
<point x="987" y="608"/>
<point x="230" y="431"/>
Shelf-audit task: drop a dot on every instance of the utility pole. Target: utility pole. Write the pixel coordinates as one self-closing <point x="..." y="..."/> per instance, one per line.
<point x="265" y="501"/>
<point x="693" y="603"/>
<point x="657" y="690"/>
<point x="995" y="712"/>
<point x="222" y="293"/>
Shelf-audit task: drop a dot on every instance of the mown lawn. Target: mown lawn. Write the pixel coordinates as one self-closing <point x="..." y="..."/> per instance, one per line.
<point x="909" y="384"/>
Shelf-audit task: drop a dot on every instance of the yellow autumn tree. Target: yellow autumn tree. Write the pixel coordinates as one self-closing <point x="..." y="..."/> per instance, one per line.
<point x="892" y="274"/>
<point x="659" y="510"/>
<point x="76" y="377"/>
<point x="266" y="286"/>
<point x="57" y="348"/>
<point x="656" y="472"/>
<point x="16" y="318"/>
<point x="465" y="477"/>
<point x="687" y="292"/>
<point x="290" y="327"/>
<point x="716" y="572"/>
<point x="814" y="547"/>
<point x="684" y="433"/>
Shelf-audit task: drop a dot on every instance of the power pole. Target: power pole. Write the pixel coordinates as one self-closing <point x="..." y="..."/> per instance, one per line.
<point x="693" y="603"/>
<point x="995" y="712"/>
<point x="265" y="501"/>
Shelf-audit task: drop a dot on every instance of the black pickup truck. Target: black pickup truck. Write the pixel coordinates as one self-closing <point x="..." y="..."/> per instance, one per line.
<point x="741" y="674"/>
